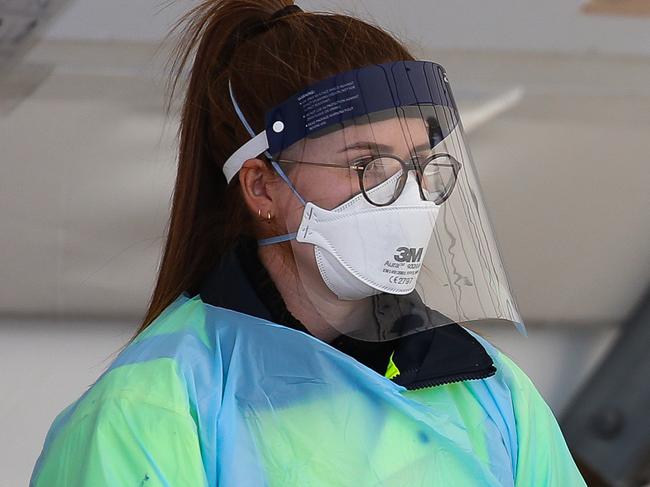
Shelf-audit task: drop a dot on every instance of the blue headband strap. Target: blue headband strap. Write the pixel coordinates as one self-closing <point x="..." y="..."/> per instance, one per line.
<point x="249" y="129"/>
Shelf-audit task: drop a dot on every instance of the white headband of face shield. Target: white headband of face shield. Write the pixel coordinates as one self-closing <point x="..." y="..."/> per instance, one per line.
<point x="257" y="145"/>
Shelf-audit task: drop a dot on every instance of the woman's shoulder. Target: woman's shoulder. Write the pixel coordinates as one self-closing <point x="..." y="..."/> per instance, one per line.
<point x="181" y="353"/>
<point x="141" y="400"/>
<point x="190" y="330"/>
<point x="190" y="315"/>
<point x="145" y="375"/>
<point x="513" y="386"/>
<point x="508" y="372"/>
<point x="538" y="448"/>
<point x="133" y="424"/>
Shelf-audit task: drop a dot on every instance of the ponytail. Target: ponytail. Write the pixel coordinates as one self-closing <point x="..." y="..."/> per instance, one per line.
<point x="268" y="49"/>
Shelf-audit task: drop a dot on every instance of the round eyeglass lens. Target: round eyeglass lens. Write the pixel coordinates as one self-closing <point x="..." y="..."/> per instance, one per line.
<point x="381" y="178"/>
<point x="439" y="178"/>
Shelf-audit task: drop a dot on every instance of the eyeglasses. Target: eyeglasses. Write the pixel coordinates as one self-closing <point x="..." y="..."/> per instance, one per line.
<point x="382" y="177"/>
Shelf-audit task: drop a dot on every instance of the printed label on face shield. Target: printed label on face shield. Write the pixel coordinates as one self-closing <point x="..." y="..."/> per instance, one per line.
<point x="320" y="106"/>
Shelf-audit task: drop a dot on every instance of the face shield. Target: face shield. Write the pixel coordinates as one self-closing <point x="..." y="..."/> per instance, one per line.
<point x="384" y="216"/>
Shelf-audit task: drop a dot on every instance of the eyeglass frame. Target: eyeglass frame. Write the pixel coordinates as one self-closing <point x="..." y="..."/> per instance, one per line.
<point x="360" y="164"/>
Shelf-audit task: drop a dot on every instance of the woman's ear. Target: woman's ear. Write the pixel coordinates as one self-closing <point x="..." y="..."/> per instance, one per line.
<point x="255" y="179"/>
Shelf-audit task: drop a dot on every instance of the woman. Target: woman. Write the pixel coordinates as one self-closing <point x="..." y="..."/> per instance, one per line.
<point x="327" y="241"/>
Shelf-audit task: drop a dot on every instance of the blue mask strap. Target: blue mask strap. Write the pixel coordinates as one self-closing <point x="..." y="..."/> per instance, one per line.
<point x="284" y="177"/>
<point x="250" y="131"/>
<point x="278" y="239"/>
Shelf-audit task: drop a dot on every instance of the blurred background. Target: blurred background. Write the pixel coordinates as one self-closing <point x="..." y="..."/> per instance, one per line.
<point x="555" y="96"/>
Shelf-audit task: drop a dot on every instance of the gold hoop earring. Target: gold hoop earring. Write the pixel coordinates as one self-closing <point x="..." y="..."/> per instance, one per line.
<point x="268" y="217"/>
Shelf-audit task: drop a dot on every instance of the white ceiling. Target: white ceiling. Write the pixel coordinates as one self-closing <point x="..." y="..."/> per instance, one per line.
<point x="87" y="161"/>
<point x="549" y="25"/>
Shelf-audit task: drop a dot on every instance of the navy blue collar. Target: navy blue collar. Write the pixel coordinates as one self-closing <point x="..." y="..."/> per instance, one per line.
<point x="441" y="355"/>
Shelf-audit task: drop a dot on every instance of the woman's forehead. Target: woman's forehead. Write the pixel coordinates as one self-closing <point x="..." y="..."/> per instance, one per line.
<point x="394" y="127"/>
<point x="400" y="134"/>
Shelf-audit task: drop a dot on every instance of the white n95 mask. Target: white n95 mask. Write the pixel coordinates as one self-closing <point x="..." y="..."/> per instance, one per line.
<point x="362" y="249"/>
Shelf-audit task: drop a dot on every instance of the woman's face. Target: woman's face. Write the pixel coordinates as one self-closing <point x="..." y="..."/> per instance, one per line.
<point x="329" y="187"/>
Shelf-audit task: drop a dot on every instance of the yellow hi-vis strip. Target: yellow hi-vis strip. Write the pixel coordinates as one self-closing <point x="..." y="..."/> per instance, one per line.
<point x="392" y="371"/>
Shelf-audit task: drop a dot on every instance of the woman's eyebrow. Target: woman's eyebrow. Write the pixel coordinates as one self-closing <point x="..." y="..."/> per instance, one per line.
<point x="381" y="147"/>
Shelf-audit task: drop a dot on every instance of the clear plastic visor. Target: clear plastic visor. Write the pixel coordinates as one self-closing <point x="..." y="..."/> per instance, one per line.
<point x="392" y="236"/>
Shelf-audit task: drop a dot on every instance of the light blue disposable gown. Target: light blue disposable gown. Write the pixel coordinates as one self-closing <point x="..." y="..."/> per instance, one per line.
<point x="207" y="396"/>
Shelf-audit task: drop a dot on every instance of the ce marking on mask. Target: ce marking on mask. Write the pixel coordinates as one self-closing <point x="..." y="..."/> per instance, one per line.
<point x="405" y="265"/>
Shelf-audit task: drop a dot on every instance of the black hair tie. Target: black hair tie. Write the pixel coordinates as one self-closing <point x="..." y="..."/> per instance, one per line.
<point x="284" y="11"/>
<point x="263" y="25"/>
<point x="255" y="29"/>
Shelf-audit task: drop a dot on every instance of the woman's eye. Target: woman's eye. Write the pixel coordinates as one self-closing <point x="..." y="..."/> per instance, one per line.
<point x="423" y="156"/>
<point x="360" y="161"/>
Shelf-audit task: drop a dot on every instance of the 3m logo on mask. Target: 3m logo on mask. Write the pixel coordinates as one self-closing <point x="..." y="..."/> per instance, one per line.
<point x="408" y="254"/>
